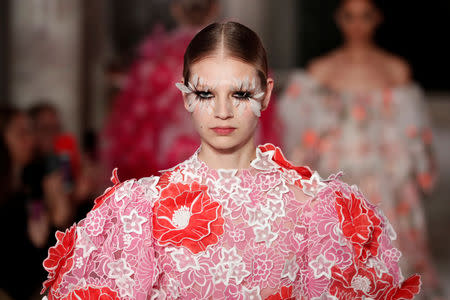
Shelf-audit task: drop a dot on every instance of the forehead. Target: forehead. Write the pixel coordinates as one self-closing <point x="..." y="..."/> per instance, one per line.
<point x="357" y="5"/>
<point x="222" y="69"/>
<point x="19" y="120"/>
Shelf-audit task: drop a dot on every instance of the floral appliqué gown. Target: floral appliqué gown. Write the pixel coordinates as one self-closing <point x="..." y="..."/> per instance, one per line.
<point x="149" y="114"/>
<point x="272" y="231"/>
<point x="382" y="141"/>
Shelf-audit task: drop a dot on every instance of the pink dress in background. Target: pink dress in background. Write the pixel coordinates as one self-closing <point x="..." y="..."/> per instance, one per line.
<point x="380" y="140"/>
<point x="272" y="231"/>
<point x="148" y="128"/>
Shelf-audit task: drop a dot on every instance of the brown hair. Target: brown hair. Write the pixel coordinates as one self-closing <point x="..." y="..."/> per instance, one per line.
<point x="378" y="4"/>
<point x="42" y="106"/>
<point x="235" y="39"/>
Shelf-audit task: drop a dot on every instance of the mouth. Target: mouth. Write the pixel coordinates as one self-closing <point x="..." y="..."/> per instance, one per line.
<point x="226" y="130"/>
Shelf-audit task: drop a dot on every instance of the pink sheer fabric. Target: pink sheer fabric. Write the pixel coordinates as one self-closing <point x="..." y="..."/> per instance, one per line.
<point x="272" y="231"/>
<point x="149" y="112"/>
<point x="382" y="141"/>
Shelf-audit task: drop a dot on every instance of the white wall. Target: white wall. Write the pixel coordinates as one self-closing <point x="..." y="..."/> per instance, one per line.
<point x="46" y="55"/>
<point x="276" y="22"/>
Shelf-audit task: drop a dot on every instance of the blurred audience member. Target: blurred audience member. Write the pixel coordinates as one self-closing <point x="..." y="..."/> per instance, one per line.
<point x="361" y="113"/>
<point x="60" y="161"/>
<point x="148" y="128"/>
<point x="49" y="175"/>
<point x="23" y="230"/>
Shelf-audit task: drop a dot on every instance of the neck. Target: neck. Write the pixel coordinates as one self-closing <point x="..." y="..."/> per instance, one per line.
<point x="238" y="157"/>
<point x="358" y="49"/>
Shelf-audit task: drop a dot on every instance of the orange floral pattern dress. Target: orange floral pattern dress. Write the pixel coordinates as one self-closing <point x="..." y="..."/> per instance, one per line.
<point x="382" y="142"/>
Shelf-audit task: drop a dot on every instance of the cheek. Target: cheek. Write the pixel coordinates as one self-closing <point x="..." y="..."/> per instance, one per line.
<point x="200" y="118"/>
<point x="247" y="119"/>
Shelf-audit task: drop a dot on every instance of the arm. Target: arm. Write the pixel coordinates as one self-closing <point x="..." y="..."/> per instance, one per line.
<point x="350" y="253"/>
<point x="416" y="126"/>
<point x="301" y="109"/>
<point x="57" y="199"/>
<point x="111" y="248"/>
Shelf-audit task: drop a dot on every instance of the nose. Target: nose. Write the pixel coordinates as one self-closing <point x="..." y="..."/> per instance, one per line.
<point x="223" y="108"/>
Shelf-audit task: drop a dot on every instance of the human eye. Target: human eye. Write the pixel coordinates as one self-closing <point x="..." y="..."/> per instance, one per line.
<point x="242" y="95"/>
<point x="203" y="95"/>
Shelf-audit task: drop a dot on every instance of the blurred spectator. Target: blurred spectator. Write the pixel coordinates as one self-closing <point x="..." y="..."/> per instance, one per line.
<point x="360" y="113"/>
<point x="50" y="176"/>
<point x="23" y="231"/>
<point x="148" y="128"/>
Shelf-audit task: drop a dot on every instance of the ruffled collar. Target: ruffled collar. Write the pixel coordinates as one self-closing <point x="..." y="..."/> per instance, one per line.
<point x="269" y="158"/>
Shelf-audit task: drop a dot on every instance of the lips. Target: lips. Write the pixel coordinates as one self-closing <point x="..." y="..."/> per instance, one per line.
<point x="223" y="130"/>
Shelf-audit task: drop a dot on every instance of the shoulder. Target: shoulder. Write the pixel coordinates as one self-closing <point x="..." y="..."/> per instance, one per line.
<point x="269" y="156"/>
<point x="129" y="192"/>
<point x="321" y="67"/>
<point x="116" y="235"/>
<point x="397" y="66"/>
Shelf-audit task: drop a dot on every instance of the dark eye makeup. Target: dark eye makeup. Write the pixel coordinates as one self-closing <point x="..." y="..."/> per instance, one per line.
<point x="242" y="95"/>
<point x="203" y="95"/>
<point x="206" y="95"/>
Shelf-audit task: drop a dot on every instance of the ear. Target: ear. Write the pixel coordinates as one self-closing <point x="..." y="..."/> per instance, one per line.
<point x="268" y="94"/>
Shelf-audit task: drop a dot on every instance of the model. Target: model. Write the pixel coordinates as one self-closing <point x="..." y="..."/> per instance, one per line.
<point x="356" y="109"/>
<point x="234" y="221"/>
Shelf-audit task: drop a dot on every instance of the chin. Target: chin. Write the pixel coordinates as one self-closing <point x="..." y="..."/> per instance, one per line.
<point x="226" y="144"/>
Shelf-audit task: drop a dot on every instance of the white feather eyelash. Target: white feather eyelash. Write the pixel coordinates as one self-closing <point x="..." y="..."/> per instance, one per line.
<point x="241" y="84"/>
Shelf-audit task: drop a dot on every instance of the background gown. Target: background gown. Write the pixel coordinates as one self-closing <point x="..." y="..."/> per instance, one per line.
<point x="382" y="142"/>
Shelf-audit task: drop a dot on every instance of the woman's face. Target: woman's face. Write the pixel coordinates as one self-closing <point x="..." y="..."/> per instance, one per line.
<point x="47" y="128"/>
<point x="225" y="98"/>
<point x="20" y="140"/>
<point x="358" y="20"/>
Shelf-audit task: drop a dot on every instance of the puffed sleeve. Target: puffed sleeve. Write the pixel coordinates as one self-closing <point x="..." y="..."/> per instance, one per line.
<point x="349" y="254"/>
<point x="109" y="253"/>
<point x="302" y="136"/>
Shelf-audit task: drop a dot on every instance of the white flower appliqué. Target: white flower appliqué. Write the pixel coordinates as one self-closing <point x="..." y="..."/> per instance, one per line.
<point x="119" y="269"/>
<point x="290" y="268"/>
<point x="321" y="266"/>
<point x="313" y="185"/>
<point x="133" y="222"/>
<point x="124" y="191"/>
<point x="263" y="161"/>
<point x="251" y="294"/>
<point x="230" y="266"/>
<point x="84" y="242"/>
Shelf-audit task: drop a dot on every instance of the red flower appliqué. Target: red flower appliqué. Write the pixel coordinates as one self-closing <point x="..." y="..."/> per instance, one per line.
<point x="357" y="283"/>
<point x="60" y="258"/>
<point x="279" y="158"/>
<point x="164" y="179"/>
<point x="359" y="225"/>
<point x="186" y="216"/>
<point x="284" y="294"/>
<point x="90" y="293"/>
